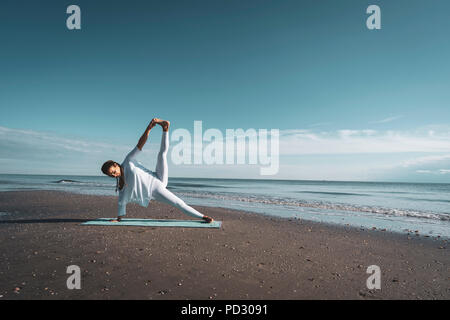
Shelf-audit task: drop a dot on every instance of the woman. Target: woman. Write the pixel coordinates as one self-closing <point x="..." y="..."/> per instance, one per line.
<point x="138" y="184"/>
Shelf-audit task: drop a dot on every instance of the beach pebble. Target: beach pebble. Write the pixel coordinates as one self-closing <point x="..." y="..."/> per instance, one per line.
<point x="336" y="274"/>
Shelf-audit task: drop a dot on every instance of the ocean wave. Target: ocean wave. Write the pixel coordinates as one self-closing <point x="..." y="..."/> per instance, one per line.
<point x="67" y="181"/>
<point x="83" y="183"/>
<point x="193" y="185"/>
<point x="334" y="193"/>
<point x="430" y="200"/>
<point x="325" y="205"/>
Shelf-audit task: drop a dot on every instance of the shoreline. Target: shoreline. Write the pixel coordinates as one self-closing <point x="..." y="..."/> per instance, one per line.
<point x="408" y="233"/>
<point x="253" y="256"/>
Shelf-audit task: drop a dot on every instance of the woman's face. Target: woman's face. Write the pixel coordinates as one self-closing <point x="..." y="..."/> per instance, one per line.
<point x="114" y="170"/>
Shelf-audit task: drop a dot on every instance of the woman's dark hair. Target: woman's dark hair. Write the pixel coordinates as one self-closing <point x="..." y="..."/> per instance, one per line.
<point x="120" y="181"/>
<point x="107" y="165"/>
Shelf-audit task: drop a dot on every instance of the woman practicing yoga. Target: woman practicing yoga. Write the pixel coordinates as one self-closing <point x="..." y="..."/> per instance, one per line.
<point x="138" y="184"/>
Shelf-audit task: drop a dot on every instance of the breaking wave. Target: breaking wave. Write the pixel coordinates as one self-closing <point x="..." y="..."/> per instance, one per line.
<point x="83" y="183"/>
<point x="324" y="205"/>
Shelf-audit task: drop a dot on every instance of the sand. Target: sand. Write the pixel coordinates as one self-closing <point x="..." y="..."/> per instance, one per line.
<point x="251" y="257"/>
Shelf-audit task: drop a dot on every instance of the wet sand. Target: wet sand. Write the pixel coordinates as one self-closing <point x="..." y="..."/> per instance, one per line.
<point x="250" y="257"/>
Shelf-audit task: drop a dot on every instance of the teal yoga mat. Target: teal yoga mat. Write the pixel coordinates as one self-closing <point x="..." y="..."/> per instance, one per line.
<point x="154" y="223"/>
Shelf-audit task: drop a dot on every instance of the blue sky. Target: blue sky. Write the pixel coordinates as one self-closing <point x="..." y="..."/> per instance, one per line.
<point x="350" y="103"/>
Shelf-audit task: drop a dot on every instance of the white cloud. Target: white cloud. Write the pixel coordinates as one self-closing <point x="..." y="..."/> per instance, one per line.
<point x="425" y="160"/>
<point x="36" y="140"/>
<point x="319" y="124"/>
<point x="435" y="172"/>
<point x="386" y="120"/>
<point x="28" y="151"/>
<point x="298" y="142"/>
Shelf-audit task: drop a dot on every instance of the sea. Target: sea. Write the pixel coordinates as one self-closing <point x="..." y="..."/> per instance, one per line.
<point x="422" y="208"/>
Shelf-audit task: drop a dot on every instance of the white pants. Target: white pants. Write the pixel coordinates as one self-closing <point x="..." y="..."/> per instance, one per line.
<point x="160" y="192"/>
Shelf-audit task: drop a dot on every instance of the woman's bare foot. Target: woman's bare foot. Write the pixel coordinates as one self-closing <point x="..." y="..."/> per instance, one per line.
<point x="163" y="123"/>
<point x="208" y="219"/>
<point x="116" y="220"/>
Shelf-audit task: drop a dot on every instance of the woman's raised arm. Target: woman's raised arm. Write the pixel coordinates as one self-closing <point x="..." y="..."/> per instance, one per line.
<point x="144" y="136"/>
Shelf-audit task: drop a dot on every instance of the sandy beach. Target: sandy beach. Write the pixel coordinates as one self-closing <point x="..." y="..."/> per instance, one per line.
<point x="250" y="257"/>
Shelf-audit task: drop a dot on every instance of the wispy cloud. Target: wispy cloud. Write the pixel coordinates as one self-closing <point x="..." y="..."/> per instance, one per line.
<point x="386" y="120"/>
<point x="357" y="154"/>
<point x="435" y="172"/>
<point x="319" y="124"/>
<point x="423" y="171"/>
<point x="361" y="141"/>
<point x="30" y="151"/>
<point x="37" y="139"/>
<point x="425" y="160"/>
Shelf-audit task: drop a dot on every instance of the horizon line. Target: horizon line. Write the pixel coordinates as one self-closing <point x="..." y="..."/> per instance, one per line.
<point x="262" y="179"/>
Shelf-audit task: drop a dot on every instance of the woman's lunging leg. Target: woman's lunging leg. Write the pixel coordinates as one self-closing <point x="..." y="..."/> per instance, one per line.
<point x="161" y="164"/>
<point x="161" y="194"/>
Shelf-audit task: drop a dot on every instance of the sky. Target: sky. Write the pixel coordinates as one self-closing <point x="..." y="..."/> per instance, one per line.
<point x="349" y="103"/>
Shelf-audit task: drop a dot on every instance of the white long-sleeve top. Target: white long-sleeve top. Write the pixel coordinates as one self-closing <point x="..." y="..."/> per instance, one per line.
<point x="138" y="182"/>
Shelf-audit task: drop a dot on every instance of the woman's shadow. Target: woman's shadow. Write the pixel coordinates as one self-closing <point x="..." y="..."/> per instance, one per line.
<point x="45" y="221"/>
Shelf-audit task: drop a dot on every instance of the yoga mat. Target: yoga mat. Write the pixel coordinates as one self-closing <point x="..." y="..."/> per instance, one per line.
<point x="154" y="223"/>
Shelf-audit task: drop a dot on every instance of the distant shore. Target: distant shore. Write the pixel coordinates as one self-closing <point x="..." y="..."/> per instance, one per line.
<point x="250" y="257"/>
